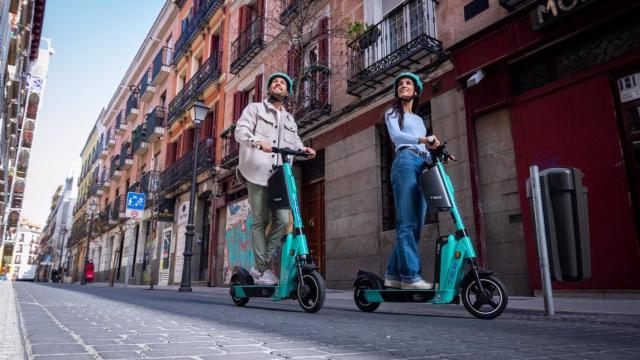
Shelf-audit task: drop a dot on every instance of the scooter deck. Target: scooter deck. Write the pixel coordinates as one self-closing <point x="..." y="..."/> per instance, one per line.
<point x="399" y="295"/>
<point x="255" y="290"/>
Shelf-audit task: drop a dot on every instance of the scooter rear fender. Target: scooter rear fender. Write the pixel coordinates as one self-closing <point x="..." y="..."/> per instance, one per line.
<point x="363" y="274"/>
<point x="242" y="275"/>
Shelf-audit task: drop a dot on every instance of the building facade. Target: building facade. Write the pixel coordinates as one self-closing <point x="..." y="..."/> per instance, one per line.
<point x="492" y="77"/>
<point x="24" y="262"/>
<point x="24" y="68"/>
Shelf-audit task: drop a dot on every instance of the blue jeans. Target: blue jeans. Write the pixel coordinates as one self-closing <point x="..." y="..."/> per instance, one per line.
<point x="411" y="207"/>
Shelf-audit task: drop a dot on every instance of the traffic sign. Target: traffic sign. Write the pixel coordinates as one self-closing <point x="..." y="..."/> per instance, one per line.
<point x="135" y="205"/>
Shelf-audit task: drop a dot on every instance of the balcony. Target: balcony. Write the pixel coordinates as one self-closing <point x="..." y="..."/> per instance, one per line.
<point x="154" y="124"/>
<point x="140" y="145"/>
<point x="150" y="184"/>
<point x="405" y="40"/>
<point x="132" y="107"/>
<point x="195" y="87"/>
<point x="104" y="153"/>
<point x="115" y="173"/>
<point x="198" y="22"/>
<point x="117" y="209"/>
<point x="147" y="89"/>
<point x="105" y="185"/>
<point x="230" y="150"/>
<point x="126" y="161"/>
<point x="121" y="123"/>
<point x="181" y="171"/>
<point x="292" y="10"/>
<point x="248" y="44"/>
<point x="313" y="101"/>
<point x="111" y="138"/>
<point x="161" y="67"/>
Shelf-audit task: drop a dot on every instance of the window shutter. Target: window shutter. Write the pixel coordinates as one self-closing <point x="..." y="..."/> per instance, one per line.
<point x="257" y="96"/>
<point x="323" y="78"/>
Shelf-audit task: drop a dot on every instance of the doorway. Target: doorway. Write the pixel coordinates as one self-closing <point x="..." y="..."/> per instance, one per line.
<point x="313" y="218"/>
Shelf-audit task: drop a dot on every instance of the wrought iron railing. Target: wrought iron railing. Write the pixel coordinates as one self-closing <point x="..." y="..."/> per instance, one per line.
<point x="156" y="118"/>
<point x="292" y="10"/>
<point x="138" y="137"/>
<point x="195" y="87"/>
<point x="149" y="182"/>
<point x="247" y="45"/>
<point x="313" y="97"/>
<point x="117" y="207"/>
<point x="181" y="171"/>
<point x="115" y="165"/>
<point x="404" y="37"/>
<point x="120" y="119"/>
<point x="230" y="151"/>
<point x="194" y="26"/>
<point x="125" y="154"/>
<point x="132" y="103"/>
<point x="145" y="81"/>
<point x="163" y="58"/>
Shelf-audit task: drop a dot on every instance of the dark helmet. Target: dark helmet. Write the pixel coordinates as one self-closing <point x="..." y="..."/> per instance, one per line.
<point x="416" y="82"/>
<point x="282" y="76"/>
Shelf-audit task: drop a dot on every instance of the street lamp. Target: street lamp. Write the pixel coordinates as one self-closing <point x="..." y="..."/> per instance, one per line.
<point x="93" y="207"/>
<point x="198" y="112"/>
<point x="63" y="231"/>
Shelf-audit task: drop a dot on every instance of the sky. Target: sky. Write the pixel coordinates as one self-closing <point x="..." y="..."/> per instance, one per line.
<point x="94" y="42"/>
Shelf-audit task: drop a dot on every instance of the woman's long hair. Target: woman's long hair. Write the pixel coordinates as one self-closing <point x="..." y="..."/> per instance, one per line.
<point x="396" y="108"/>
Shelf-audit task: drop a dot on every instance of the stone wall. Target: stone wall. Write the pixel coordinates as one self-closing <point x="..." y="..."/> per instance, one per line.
<point x="500" y="201"/>
<point x="352" y="207"/>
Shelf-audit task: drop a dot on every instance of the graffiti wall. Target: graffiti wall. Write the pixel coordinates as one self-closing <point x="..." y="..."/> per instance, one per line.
<point x="238" y="250"/>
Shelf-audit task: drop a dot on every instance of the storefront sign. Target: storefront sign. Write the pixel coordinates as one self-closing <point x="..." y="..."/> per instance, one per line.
<point x="550" y="11"/>
<point x="166" y="210"/>
<point x="629" y="87"/>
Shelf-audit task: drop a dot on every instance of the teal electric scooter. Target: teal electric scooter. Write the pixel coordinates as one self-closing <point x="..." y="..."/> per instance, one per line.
<point x="299" y="276"/>
<point x="483" y="295"/>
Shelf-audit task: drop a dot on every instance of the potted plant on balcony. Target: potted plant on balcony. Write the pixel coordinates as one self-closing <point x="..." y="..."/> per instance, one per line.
<point x="362" y="35"/>
<point x="226" y="133"/>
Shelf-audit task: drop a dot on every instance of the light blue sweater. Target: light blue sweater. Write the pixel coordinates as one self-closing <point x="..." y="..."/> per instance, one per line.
<point x="413" y="128"/>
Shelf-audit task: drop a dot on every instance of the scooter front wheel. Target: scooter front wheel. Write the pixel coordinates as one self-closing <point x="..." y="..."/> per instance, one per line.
<point x="486" y="304"/>
<point x="311" y="292"/>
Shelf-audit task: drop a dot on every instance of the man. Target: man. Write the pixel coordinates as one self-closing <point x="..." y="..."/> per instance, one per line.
<point x="261" y="126"/>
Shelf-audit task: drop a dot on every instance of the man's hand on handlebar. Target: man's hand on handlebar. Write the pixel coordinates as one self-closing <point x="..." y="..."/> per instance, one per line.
<point x="264" y="146"/>
<point x="311" y="153"/>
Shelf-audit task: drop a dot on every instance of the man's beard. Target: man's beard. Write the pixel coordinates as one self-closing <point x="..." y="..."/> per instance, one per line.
<point x="273" y="98"/>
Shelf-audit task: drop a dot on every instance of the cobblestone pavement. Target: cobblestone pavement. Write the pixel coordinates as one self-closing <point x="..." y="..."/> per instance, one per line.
<point x="75" y="322"/>
<point x="10" y="338"/>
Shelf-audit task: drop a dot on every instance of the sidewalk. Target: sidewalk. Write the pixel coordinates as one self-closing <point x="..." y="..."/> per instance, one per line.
<point x="518" y="304"/>
<point x="11" y="347"/>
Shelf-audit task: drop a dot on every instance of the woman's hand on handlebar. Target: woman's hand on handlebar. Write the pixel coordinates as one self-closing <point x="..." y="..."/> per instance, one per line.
<point x="432" y="142"/>
<point x="264" y="146"/>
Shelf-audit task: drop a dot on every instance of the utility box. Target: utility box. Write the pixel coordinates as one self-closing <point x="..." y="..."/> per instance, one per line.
<point x="566" y="219"/>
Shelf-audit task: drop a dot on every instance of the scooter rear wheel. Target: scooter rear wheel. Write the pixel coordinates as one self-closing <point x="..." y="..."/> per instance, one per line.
<point x="239" y="301"/>
<point x="358" y="295"/>
<point x="488" y="304"/>
<point x="311" y="292"/>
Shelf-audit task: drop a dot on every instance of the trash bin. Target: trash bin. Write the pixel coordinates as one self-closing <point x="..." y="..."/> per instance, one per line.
<point x="566" y="218"/>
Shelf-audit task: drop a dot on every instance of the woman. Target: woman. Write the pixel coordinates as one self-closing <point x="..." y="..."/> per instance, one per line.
<point x="409" y="135"/>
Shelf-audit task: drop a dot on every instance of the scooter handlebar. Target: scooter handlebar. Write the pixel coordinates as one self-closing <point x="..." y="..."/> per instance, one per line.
<point x="441" y="154"/>
<point x="288" y="151"/>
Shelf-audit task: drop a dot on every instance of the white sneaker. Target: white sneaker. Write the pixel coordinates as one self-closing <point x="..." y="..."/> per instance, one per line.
<point x="392" y="283"/>
<point x="255" y="274"/>
<point x="418" y="285"/>
<point x="267" y="278"/>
